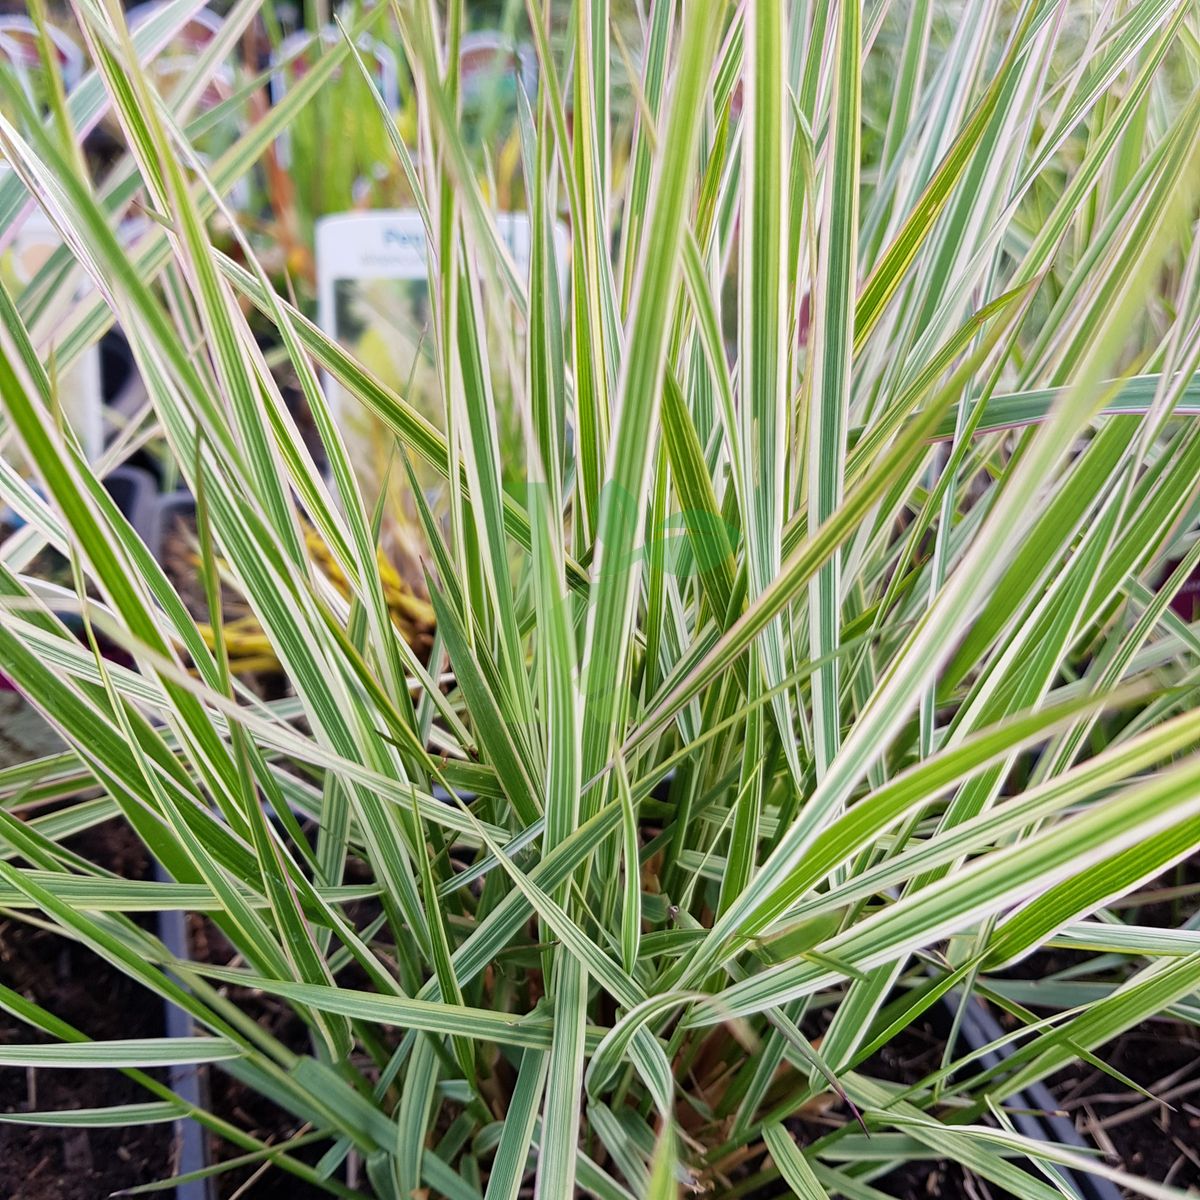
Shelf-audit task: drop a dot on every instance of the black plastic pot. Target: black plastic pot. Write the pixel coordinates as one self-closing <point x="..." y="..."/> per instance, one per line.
<point x="135" y="493"/>
<point x="162" y="513"/>
<point x="1035" y="1114"/>
<point x="186" y="1082"/>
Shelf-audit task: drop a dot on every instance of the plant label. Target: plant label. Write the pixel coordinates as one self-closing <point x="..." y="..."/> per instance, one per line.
<point x="373" y="298"/>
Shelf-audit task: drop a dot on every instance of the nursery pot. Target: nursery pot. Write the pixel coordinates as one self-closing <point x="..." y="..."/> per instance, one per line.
<point x="162" y="513"/>
<point x="186" y="1081"/>
<point x="1034" y="1114"/>
<point x="134" y="491"/>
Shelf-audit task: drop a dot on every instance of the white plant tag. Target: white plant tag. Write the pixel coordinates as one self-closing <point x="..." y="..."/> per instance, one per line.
<point x="373" y="299"/>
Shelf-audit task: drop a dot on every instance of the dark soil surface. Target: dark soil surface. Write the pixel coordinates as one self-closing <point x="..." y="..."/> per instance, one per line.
<point x="1156" y="1139"/>
<point x="227" y="1097"/>
<point x="907" y="1059"/>
<point x="1166" y="902"/>
<point x="41" y="1163"/>
<point x="181" y="563"/>
<point x="242" y="1106"/>
<point x="939" y="1180"/>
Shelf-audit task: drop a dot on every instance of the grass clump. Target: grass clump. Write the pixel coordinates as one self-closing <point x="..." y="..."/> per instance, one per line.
<point x="806" y="667"/>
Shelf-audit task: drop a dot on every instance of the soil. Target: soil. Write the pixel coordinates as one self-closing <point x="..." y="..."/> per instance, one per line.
<point x="242" y="1106"/>
<point x="77" y="986"/>
<point x="247" y="1109"/>
<point x="226" y="1096"/>
<point x="907" y="1059"/>
<point x="938" y="1180"/>
<point x="1167" y="902"/>
<point x="43" y="1163"/>
<point x="1156" y="1139"/>
<point x="180" y="561"/>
